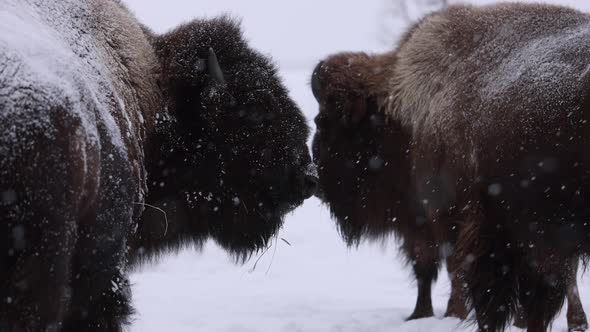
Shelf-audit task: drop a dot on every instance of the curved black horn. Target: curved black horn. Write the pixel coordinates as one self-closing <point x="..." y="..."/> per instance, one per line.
<point x="215" y="68"/>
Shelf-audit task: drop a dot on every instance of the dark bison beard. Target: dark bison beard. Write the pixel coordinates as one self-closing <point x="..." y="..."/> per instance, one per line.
<point x="361" y="183"/>
<point x="363" y="204"/>
<point x="220" y="190"/>
<point x="240" y="223"/>
<point x="240" y="210"/>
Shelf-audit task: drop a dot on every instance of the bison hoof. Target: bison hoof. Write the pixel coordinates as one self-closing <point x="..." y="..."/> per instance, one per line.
<point x="578" y="328"/>
<point x="456" y="314"/>
<point x="420" y="314"/>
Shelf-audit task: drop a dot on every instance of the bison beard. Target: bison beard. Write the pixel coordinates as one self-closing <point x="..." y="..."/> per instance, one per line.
<point x="100" y="119"/>
<point x="470" y="142"/>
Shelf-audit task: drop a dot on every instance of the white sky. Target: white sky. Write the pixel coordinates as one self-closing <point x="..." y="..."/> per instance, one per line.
<point x="296" y="33"/>
<point x="292" y="31"/>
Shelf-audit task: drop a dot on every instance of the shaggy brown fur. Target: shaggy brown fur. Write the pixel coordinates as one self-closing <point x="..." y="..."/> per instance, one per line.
<point x="366" y="175"/>
<point x="100" y="119"/>
<point x="476" y="124"/>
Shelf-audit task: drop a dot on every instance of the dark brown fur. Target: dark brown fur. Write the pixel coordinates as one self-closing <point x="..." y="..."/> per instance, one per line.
<point x="366" y="173"/>
<point x="231" y="158"/>
<point x="128" y="123"/>
<point x="484" y="151"/>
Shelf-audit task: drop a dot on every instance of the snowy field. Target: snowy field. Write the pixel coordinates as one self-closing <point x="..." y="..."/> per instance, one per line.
<point x="316" y="283"/>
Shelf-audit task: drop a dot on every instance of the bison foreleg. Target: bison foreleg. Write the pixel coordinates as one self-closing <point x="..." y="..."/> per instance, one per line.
<point x="424" y="258"/>
<point x="36" y="294"/>
<point x="541" y="294"/>
<point x="456" y="306"/>
<point x="576" y="317"/>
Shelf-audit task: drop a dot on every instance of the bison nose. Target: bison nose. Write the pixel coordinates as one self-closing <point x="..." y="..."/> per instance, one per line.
<point x="310" y="185"/>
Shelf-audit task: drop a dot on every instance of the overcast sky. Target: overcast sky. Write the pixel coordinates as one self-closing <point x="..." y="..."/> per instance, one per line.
<point x="292" y="31"/>
<point x="296" y="33"/>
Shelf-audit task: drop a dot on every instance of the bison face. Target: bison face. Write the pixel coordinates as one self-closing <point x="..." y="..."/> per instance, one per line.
<point x="357" y="151"/>
<point x="241" y="141"/>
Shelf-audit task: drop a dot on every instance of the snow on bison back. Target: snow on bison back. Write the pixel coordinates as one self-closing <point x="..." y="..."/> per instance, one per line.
<point x="476" y="127"/>
<point x="100" y="118"/>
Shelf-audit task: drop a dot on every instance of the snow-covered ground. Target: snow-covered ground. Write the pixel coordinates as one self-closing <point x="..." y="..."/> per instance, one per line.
<point x="316" y="283"/>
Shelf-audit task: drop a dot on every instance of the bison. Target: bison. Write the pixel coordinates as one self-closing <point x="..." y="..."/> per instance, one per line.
<point x="117" y="144"/>
<point x="470" y="142"/>
<point x="364" y="169"/>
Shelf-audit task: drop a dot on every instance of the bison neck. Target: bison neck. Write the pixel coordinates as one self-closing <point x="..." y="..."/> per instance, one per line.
<point x="165" y="226"/>
<point x="167" y="223"/>
<point x="190" y="198"/>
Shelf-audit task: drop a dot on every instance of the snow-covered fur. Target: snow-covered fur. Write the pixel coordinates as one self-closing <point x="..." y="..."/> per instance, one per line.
<point x="476" y="123"/>
<point x="77" y="101"/>
<point x="103" y="123"/>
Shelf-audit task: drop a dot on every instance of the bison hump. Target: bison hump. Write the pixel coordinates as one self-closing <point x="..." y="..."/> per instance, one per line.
<point x="487" y="69"/>
<point x="50" y="57"/>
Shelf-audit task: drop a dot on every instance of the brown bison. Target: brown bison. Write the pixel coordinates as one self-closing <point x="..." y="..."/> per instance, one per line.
<point x="470" y="142"/>
<point x="364" y="164"/>
<point x="117" y="144"/>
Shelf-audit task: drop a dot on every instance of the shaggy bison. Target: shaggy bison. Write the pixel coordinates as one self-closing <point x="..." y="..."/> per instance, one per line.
<point x="117" y="144"/>
<point x="364" y="164"/>
<point x="470" y="141"/>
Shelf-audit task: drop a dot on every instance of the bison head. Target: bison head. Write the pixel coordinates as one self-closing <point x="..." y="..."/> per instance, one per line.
<point x="358" y="151"/>
<point x="234" y="142"/>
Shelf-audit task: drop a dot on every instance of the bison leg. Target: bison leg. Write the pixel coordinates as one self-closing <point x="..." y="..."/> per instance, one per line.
<point x="492" y="288"/>
<point x="104" y="310"/>
<point x="456" y="305"/>
<point x="101" y="299"/>
<point x="424" y="258"/>
<point x="35" y="292"/>
<point x="490" y="277"/>
<point x="576" y="317"/>
<point x="488" y="261"/>
<point x="542" y="294"/>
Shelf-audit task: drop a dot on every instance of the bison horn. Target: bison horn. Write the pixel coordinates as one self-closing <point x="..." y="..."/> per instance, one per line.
<point x="315" y="81"/>
<point x="215" y="68"/>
